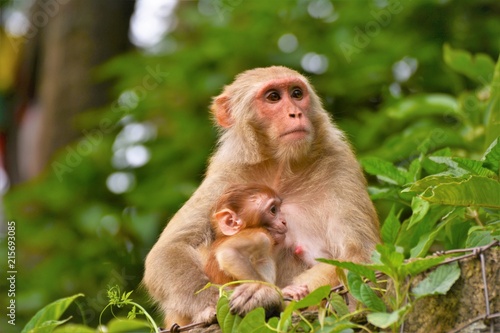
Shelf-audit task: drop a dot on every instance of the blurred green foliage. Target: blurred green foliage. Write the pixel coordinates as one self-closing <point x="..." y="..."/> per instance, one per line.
<point x="386" y="83"/>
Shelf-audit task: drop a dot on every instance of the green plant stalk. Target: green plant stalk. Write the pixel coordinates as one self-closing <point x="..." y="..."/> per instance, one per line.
<point x="118" y="302"/>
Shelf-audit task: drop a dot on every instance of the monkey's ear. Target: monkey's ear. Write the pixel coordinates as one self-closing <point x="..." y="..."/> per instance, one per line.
<point x="229" y="223"/>
<point x="221" y="110"/>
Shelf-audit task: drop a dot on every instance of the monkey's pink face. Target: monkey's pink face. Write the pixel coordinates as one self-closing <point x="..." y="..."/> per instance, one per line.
<point x="283" y="105"/>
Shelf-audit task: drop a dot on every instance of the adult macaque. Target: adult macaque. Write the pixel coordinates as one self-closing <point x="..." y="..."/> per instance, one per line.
<point x="248" y="223"/>
<point x="273" y="126"/>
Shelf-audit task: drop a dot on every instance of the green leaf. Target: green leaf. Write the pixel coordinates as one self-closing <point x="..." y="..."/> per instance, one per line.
<point x="385" y="319"/>
<point x="462" y="166"/>
<point x="477" y="68"/>
<point x="479" y="237"/>
<point x="354" y="282"/>
<point x="432" y="167"/>
<point x="438" y="281"/>
<point x="414" y="170"/>
<point x="426" y="105"/>
<point x="384" y="170"/>
<point x="254" y="322"/>
<point x="473" y="191"/>
<point x="45" y="320"/>
<point x="427" y="239"/>
<point x="313" y="298"/>
<point x="119" y="325"/>
<point x="390" y="228"/>
<point x="420" y="209"/>
<point x="227" y="321"/>
<point x="370" y="299"/>
<point x="364" y="293"/>
<point x="334" y="326"/>
<point x="392" y="258"/>
<point x="338" y="304"/>
<point x="74" y="328"/>
<point x="491" y="159"/>
<point x="365" y="270"/>
<point x="493" y="109"/>
<point x="419" y="265"/>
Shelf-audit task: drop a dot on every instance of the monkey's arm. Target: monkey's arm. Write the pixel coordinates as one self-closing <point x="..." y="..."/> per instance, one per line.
<point x="247" y="256"/>
<point x="255" y="254"/>
<point x="174" y="267"/>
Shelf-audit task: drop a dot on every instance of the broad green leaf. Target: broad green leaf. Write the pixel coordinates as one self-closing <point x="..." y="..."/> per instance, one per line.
<point x="463" y="166"/>
<point x="421" y="106"/>
<point x="473" y="191"/>
<point x="384" y="170"/>
<point x="227" y="321"/>
<point x="370" y="298"/>
<point x="382" y="319"/>
<point x="365" y="270"/>
<point x="438" y="281"/>
<point x="410" y="237"/>
<point x="363" y="293"/>
<point x="377" y="193"/>
<point x="338" y="304"/>
<point x="355" y="282"/>
<point x="254" y="322"/>
<point x="385" y="319"/>
<point x="286" y="317"/>
<point x="392" y="258"/>
<point x="427" y="239"/>
<point x="332" y="325"/>
<point x="477" y="68"/>
<point x="479" y="237"/>
<point x="419" y="265"/>
<point x="313" y="298"/>
<point x="414" y="170"/>
<point x="432" y="167"/>
<point x="493" y="109"/>
<point x="491" y="159"/>
<point x="74" y="328"/>
<point x="390" y="228"/>
<point x="119" y="325"/>
<point x="420" y="209"/>
<point x="45" y="320"/>
<point x="430" y="182"/>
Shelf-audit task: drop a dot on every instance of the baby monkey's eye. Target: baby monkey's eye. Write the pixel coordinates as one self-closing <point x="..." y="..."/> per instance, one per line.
<point x="273" y="210"/>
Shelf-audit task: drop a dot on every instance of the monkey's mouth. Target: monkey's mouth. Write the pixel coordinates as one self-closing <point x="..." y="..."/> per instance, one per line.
<point x="301" y="131"/>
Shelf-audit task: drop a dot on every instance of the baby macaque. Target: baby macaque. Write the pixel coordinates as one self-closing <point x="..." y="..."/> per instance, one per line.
<point x="248" y="223"/>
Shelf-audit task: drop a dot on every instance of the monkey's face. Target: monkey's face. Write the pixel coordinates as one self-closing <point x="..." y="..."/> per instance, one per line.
<point x="283" y="108"/>
<point x="272" y="219"/>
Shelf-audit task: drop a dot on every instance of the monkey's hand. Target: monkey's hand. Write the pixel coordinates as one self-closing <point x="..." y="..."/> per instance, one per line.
<point x="295" y="292"/>
<point x="249" y="296"/>
<point x="208" y="315"/>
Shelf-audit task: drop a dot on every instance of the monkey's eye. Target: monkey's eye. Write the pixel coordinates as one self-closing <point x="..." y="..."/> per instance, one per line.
<point x="273" y="210"/>
<point x="297" y="93"/>
<point x="273" y="96"/>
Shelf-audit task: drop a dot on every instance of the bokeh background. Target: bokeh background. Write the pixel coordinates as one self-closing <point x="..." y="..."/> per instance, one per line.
<point x="105" y="129"/>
